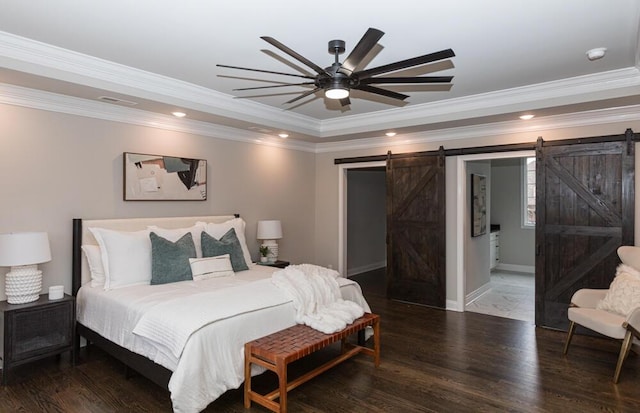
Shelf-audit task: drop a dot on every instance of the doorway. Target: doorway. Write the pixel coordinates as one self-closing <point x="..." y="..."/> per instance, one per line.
<point x="508" y="290"/>
<point x="466" y="249"/>
<point x="368" y="181"/>
<point x="366" y="227"/>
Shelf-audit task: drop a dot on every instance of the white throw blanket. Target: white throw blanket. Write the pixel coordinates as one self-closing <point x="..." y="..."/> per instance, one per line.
<point x="316" y="297"/>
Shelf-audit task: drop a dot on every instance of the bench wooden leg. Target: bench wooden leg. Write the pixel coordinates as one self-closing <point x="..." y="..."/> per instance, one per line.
<point x="376" y="342"/>
<point x="247" y="375"/>
<point x="281" y="368"/>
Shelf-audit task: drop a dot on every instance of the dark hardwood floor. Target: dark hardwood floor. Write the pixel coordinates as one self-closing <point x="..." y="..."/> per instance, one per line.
<point x="432" y="361"/>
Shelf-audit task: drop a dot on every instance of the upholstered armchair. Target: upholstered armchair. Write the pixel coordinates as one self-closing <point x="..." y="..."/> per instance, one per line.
<point x="614" y="312"/>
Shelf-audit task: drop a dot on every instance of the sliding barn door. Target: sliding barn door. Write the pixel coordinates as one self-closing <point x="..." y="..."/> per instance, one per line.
<point x="585" y="210"/>
<point x="416" y="229"/>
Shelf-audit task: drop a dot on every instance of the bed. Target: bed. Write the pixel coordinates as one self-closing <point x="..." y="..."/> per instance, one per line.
<point x="196" y="363"/>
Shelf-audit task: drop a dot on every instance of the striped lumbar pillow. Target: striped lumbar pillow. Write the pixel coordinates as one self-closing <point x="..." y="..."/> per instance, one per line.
<point x="211" y="267"/>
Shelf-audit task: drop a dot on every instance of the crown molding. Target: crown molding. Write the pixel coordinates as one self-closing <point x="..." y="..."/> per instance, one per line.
<point x="615" y="83"/>
<point x="37" y="58"/>
<point x="41" y="59"/>
<point x="37" y="99"/>
<point x="572" y="120"/>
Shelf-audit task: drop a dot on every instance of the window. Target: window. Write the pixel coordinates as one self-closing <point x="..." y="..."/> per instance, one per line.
<point x="529" y="192"/>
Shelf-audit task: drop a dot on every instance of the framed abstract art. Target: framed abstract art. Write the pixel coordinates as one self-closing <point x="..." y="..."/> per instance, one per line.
<point x="164" y="178"/>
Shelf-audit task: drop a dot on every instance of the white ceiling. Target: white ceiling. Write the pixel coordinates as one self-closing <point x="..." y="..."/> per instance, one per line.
<point x="511" y="57"/>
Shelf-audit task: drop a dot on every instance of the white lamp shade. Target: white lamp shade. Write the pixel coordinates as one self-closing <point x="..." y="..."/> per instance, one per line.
<point x="271" y="229"/>
<point x="24" y="248"/>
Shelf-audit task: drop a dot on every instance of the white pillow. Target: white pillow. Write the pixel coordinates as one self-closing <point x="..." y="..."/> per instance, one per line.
<point x="92" y="252"/>
<point x="211" y="267"/>
<point x="624" y="292"/>
<point x="126" y="257"/>
<point x="174" y="235"/>
<point x="218" y="230"/>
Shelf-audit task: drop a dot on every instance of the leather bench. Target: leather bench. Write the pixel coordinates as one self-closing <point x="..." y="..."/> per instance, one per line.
<point x="277" y="350"/>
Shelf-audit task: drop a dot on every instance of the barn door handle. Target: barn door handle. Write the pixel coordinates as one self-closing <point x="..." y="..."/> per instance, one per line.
<point x="538" y="248"/>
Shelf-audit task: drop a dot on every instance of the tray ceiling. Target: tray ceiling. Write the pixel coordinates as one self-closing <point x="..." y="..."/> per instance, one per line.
<point x="162" y="56"/>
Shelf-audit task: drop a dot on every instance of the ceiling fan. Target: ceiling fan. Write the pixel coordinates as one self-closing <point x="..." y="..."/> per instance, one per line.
<point x="338" y="79"/>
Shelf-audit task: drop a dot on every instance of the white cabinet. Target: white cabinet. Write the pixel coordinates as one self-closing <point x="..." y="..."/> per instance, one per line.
<point x="494" y="249"/>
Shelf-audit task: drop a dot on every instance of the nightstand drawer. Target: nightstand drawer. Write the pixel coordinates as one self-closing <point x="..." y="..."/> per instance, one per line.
<point x="38" y="330"/>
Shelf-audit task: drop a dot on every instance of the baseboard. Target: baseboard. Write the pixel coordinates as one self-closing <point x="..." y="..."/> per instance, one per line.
<point x="452" y="305"/>
<point x="528" y="269"/>
<point x="366" y="268"/>
<point x="474" y="295"/>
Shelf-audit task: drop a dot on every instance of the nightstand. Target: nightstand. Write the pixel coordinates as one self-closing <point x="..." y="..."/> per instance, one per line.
<point x="36" y="330"/>
<point x="278" y="264"/>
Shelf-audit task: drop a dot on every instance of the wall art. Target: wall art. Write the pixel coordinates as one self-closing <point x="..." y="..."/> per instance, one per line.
<point x="164" y="178"/>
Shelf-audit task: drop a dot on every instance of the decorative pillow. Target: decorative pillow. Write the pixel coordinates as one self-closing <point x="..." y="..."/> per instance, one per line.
<point x="624" y="292"/>
<point x="126" y="257"/>
<point x="228" y="244"/>
<point x="211" y="267"/>
<point x="92" y="252"/>
<point x="170" y="260"/>
<point x="218" y="230"/>
<point x="175" y="234"/>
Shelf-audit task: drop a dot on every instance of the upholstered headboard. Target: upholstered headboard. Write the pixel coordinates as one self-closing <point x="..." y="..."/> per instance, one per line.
<point x="82" y="236"/>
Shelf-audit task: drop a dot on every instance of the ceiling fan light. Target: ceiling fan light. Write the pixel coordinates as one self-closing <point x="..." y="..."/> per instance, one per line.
<point x="336" y="93"/>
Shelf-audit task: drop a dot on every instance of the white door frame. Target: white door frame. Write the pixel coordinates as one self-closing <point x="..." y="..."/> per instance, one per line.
<point x="342" y="208"/>
<point x="462" y="217"/>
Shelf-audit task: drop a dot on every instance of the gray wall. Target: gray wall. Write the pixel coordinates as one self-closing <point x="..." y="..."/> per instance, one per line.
<point x="55" y="167"/>
<point x="517" y="244"/>
<point x="366" y="220"/>
<point x="477" y="248"/>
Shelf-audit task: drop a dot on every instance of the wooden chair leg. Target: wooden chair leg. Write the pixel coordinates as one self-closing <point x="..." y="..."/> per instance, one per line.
<point x="572" y="328"/>
<point x="624" y="351"/>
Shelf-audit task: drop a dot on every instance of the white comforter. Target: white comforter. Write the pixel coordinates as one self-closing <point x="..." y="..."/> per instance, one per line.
<point x="211" y="361"/>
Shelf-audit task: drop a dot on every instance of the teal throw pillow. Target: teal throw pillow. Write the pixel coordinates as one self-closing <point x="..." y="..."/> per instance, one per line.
<point x="170" y="260"/>
<point x="228" y="244"/>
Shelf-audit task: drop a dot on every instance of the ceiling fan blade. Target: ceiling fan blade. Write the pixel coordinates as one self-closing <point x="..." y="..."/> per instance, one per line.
<point x="383" y="92"/>
<point x="265" y="71"/>
<point x="391" y="80"/>
<point x="364" y="46"/>
<point x="345" y="102"/>
<point x="294" y="54"/>
<point x="403" y="64"/>
<point x="283" y="85"/>
<point x="303" y="95"/>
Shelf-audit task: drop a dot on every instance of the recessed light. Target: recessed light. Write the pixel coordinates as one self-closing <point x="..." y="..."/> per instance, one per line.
<point x="390" y="134"/>
<point x="527" y="117"/>
<point x="597" y="53"/>
<point x="283" y="135"/>
<point x="179" y="114"/>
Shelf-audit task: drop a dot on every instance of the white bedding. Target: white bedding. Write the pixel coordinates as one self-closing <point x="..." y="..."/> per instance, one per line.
<point x="212" y="359"/>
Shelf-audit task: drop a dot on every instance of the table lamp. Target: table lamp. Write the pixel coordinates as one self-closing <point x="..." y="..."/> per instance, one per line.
<point x="269" y="231"/>
<point x="23" y="251"/>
